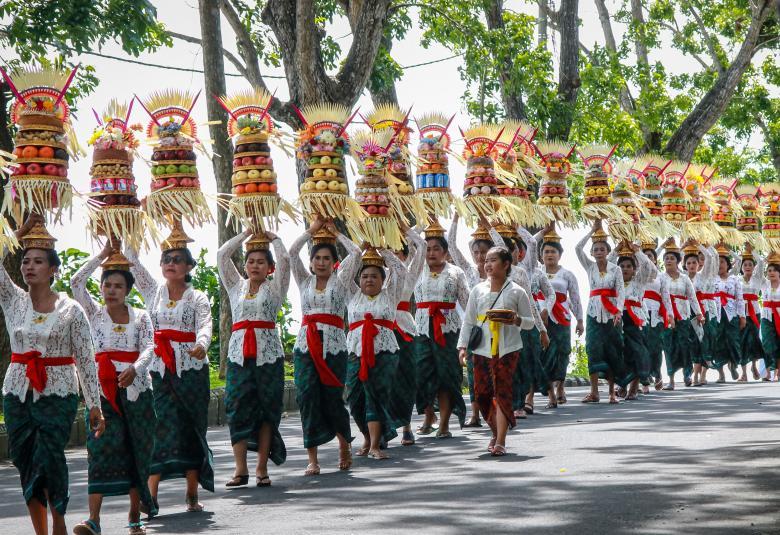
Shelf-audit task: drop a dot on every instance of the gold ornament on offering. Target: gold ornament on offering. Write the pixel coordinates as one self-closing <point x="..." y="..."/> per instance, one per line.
<point x="726" y="210"/>
<point x="598" y="171"/>
<point x="749" y="218"/>
<point x="433" y="175"/>
<point x="554" y="192"/>
<point x="770" y="203"/>
<point x="698" y="224"/>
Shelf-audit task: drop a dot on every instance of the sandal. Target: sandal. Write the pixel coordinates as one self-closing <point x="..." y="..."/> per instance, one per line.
<point x="408" y="438"/>
<point x="614" y="401"/>
<point x="590" y="398"/>
<point x="474" y="422"/>
<point x="425" y="429"/>
<point x="630" y="397"/>
<point x="313" y="469"/>
<point x="379" y="455"/>
<point x="145" y="509"/>
<point x="491" y="444"/>
<point x="520" y="414"/>
<point x="498" y="451"/>
<point x="551" y="405"/>
<point x="362" y="452"/>
<point x="688" y="381"/>
<point x="562" y="400"/>
<point x="265" y="481"/>
<point x="668" y="387"/>
<point x="88" y="527"/>
<point x="529" y="409"/>
<point x="441" y="435"/>
<point x="136" y="528"/>
<point x="345" y="459"/>
<point x="238" y="481"/>
<point x="193" y="506"/>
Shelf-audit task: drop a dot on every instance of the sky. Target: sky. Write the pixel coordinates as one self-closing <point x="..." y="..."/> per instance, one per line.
<point x="432" y="87"/>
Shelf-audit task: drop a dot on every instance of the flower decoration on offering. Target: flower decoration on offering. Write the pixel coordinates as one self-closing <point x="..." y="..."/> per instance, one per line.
<point x="699" y="225"/>
<point x="433" y="176"/>
<point x="770" y="203"/>
<point x="674" y="200"/>
<point x="323" y="145"/>
<point x="627" y="227"/>
<point x="391" y="118"/>
<point x="597" y="203"/>
<point x="653" y="168"/>
<point x="256" y="200"/>
<point x="726" y="210"/>
<point x="113" y="208"/>
<point x="749" y="218"/>
<point x="554" y="192"/>
<point x="379" y="228"/>
<point x="43" y="144"/>
<point x="480" y="188"/>
<point x="175" y="188"/>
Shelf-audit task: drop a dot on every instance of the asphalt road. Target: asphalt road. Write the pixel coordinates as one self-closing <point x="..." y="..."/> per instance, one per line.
<point x="701" y="460"/>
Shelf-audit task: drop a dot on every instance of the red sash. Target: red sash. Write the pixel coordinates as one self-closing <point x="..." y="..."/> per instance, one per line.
<point x="403" y="306"/>
<point x="655" y="296"/>
<point x="367" y="353"/>
<point x="107" y="372"/>
<point x="751" y="310"/>
<point x="701" y="297"/>
<point x="724" y="297"/>
<point x="630" y="305"/>
<point x="250" y="339"/>
<point x="559" y="311"/>
<point x="774" y="306"/>
<point x="36" y="366"/>
<point x="673" y="298"/>
<point x="164" y="349"/>
<point x="310" y="321"/>
<point x="605" y="294"/>
<point x="434" y="311"/>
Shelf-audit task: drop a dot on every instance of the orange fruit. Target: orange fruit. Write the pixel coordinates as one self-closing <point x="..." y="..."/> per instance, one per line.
<point x="46" y="152"/>
<point x="239" y="190"/>
<point x="264" y="188"/>
<point x="250" y="188"/>
<point x="29" y="152"/>
<point x="272" y="188"/>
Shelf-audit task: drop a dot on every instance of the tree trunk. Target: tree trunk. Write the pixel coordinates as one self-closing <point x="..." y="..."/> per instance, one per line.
<point x="511" y="97"/>
<point x="688" y="136"/>
<point x="772" y="143"/>
<point x="214" y="74"/>
<point x="568" y="70"/>
<point x="541" y="25"/>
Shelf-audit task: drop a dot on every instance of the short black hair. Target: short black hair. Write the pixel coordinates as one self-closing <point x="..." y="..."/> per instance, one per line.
<point x="320" y="246"/>
<point x="509" y="244"/>
<point x="503" y="254"/>
<point x="52" y="258"/>
<point x="675" y="254"/>
<point x="554" y="244"/>
<point x="269" y="256"/>
<point x="382" y="272"/>
<point x="691" y="255"/>
<point x="521" y="246"/>
<point x="629" y="258"/>
<point x="188" y="259"/>
<point x="651" y="251"/>
<point x="405" y="249"/>
<point x="129" y="278"/>
<point x="775" y="266"/>
<point x="441" y="240"/>
<point x="480" y="242"/>
<point x="728" y="261"/>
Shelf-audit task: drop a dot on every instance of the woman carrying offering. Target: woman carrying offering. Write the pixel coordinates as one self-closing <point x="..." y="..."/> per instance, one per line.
<point x="320" y="353"/>
<point x="657" y="318"/>
<point x="770" y="316"/>
<point x="752" y="278"/>
<point x="50" y="345"/>
<point x="123" y="338"/>
<point x="728" y="293"/>
<point x="603" y="334"/>
<point x="701" y="264"/>
<point x="440" y="375"/>
<point x="254" y="392"/>
<point x="181" y="317"/>
<point x="500" y="309"/>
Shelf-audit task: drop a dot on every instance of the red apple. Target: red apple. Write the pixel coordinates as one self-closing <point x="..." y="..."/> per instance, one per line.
<point x="172" y="182"/>
<point x="382" y="210"/>
<point x="236" y="162"/>
<point x="159" y="183"/>
<point x="371" y="209"/>
<point x="246" y="160"/>
<point x="259" y="160"/>
<point x="181" y="154"/>
<point x="195" y="183"/>
<point x="33" y="169"/>
<point x="269" y="161"/>
<point x="20" y="170"/>
<point x="185" y="182"/>
<point x="50" y="169"/>
<point x="468" y="182"/>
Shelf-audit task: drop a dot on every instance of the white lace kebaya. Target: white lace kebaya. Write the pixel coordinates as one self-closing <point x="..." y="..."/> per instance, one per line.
<point x="191" y="313"/>
<point x="612" y="279"/>
<point x="449" y="287"/>
<point x="136" y="335"/>
<point x="264" y="305"/>
<point x="414" y="266"/>
<point x="63" y="332"/>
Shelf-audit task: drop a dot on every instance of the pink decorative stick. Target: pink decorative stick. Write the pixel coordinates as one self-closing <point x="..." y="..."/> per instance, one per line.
<point x="67" y="84"/>
<point x="299" y="114"/>
<point x="184" y="120"/>
<point x="346" y="124"/>
<point x="147" y="110"/>
<point x="511" y="143"/>
<point x="11" y="85"/>
<point x="493" y="144"/>
<point x="97" y="117"/>
<point x="127" y="115"/>
<point x="224" y="106"/>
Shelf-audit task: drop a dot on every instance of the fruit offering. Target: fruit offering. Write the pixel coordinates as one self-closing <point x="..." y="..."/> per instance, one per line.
<point x="748" y="220"/>
<point x="114" y="208"/>
<point x="480" y="188"/>
<point x="256" y="200"/>
<point x="175" y="184"/>
<point x="699" y="225"/>
<point x="651" y="182"/>
<point x="770" y="202"/>
<point x="674" y="204"/>
<point x="725" y="212"/>
<point x="554" y="190"/>
<point x="39" y="181"/>
<point x="322" y="145"/>
<point x="433" y="175"/>
<point x="597" y="202"/>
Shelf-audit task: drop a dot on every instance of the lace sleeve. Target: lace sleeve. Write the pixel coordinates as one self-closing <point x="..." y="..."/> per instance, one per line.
<point x="145" y="339"/>
<point x="498" y="241"/>
<point x="525" y="311"/>
<point x="299" y="271"/>
<point x="586" y="262"/>
<point x="282" y="271"/>
<point x="531" y="254"/>
<point x="758" y="279"/>
<point x="395" y="282"/>
<point x="9" y="291"/>
<point x="203" y="326"/>
<point x="84" y="353"/>
<point x="78" y="285"/>
<point x="458" y="257"/>
<point x="144" y="281"/>
<point x="647" y="271"/>
<point x="739" y="297"/>
<point x="574" y="295"/>
<point x="462" y="289"/>
<point x="416" y="265"/>
<point x="690" y="293"/>
<point x="228" y="273"/>
<point x="736" y="264"/>
<point x="349" y="268"/>
<point x="547" y="291"/>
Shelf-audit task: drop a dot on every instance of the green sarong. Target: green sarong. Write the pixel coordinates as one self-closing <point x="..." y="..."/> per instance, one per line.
<point x="529" y="370"/>
<point x="369" y="401"/>
<point x="556" y="357"/>
<point x="404" y="383"/>
<point x="728" y="343"/>
<point x="680" y="345"/>
<point x="771" y="342"/>
<point x="470" y="374"/>
<point x="119" y="460"/>
<point x="182" y="405"/>
<point x="752" y="349"/>
<point x="439" y="369"/>
<point x="655" y="348"/>
<point x="254" y="395"/>
<point x="707" y="345"/>
<point x="604" y="346"/>
<point x="322" y="408"/>
<point x="635" y="355"/>
<point x="37" y="435"/>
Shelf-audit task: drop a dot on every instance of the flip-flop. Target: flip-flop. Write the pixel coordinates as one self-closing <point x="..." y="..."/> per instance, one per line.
<point x="193" y="505"/>
<point x="551" y="405"/>
<point x="630" y="397"/>
<point x="407" y="439"/>
<point x="444" y="435"/>
<point x="491" y="444"/>
<point x="472" y="423"/>
<point x="529" y="409"/>
<point x="425" y="429"/>
<point x="520" y="415"/>
<point x="136" y="528"/>
<point x="590" y="398"/>
<point x="265" y="481"/>
<point x="238" y="481"/>
<point x="561" y="400"/>
<point x="498" y="451"/>
<point x="87" y="527"/>
<point x="378" y="455"/>
<point x="312" y="469"/>
<point x="614" y="402"/>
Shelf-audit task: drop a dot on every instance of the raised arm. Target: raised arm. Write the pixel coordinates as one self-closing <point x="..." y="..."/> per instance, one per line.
<point x="586" y="262"/>
<point x="299" y="271"/>
<point x="349" y="268"/>
<point x="736" y="264"/>
<point x="203" y="326"/>
<point x="144" y="333"/>
<point x="144" y="281"/>
<point x="498" y="241"/>
<point x="646" y="269"/>
<point x="531" y="254"/>
<point x="228" y="273"/>
<point x="758" y="279"/>
<point x="281" y="280"/>
<point x="416" y="265"/>
<point x="397" y="275"/>
<point x="575" y="303"/>
<point x="84" y="354"/>
<point x="710" y="268"/>
<point x="9" y="291"/>
<point x="78" y="285"/>
<point x="458" y="258"/>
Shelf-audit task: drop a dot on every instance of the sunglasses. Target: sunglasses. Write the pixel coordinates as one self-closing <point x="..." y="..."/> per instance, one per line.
<point x="173" y="260"/>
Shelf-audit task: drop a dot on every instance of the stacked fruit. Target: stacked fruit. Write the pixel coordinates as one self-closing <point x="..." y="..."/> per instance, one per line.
<point x="253" y="167"/>
<point x="748" y="220"/>
<point x="326" y="168"/>
<point x="39" y="155"/>
<point x="112" y="181"/>
<point x="391" y="117"/>
<point x="722" y="192"/>
<point x="554" y="190"/>
<point x="674" y="205"/>
<point x="770" y="201"/>
<point x="173" y="164"/>
<point x="623" y="199"/>
<point x="433" y="162"/>
<point x="598" y="169"/>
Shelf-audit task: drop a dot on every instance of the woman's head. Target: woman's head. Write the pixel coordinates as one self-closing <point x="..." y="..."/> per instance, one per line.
<point x="498" y="263"/>
<point x="176" y="265"/>
<point x="671" y="261"/>
<point x="627" y="267"/>
<point x="599" y="250"/>
<point x="39" y="266"/>
<point x="773" y="272"/>
<point x="479" y="249"/>
<point x="259" y="264"/>
<point x="650" y="253"/>
<point x="509" y="245"/>
<point x="748" y="265"/>
<point x="115" y="285"/>
<point x="691" y="263"/>
<point x="724" y="266"/>
<point x="322" y="259"/>
<point x="371" y="278"/>
<point x="522" y="249"/>
<point x="551" y="252"/>
<point x="436" y="251"/>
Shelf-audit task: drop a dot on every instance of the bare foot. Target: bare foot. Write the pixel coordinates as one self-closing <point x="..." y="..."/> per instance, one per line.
<point x="378" y="454"/>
